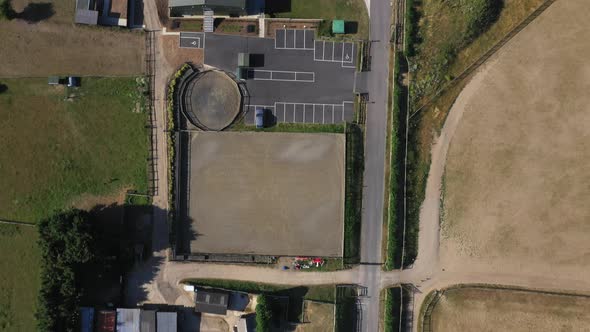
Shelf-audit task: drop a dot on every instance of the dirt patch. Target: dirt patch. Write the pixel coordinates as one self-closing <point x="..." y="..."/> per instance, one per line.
<point x="56" y="46"/>
<point x="318" y="317"/>
<point x="517" y="175"/>
<point x="88" y="201"/>
<point x="237" y="27"/>
<point x="479" y="309"/>
<point x="176" y="56"/>
<point x="267" y="193"/>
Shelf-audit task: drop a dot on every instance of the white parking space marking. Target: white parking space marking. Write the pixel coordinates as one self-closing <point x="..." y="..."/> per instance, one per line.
<point x="281" y="75"/>
<point x="328" y="51"/>
<point x="294" y="112"/>
<point x="286" y="39"/>
<point x="191" y="40"/>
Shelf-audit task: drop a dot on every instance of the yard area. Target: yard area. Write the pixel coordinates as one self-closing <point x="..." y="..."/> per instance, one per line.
<point x="297" y="207"/>
<point x="19" y="277"/>
<point x="58" y="152"/>
<point x="45" y="41"/>
<point x="348" y="10"/>
<point x="486" y="309"/>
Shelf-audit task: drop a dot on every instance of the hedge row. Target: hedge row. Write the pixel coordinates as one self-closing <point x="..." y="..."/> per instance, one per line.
<point x="396" y="181"/>
<point x="171" y="142"/>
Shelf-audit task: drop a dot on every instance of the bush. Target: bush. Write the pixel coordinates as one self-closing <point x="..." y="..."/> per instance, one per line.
<point x="410" y="26"/>
<point x="6" y="11"/>
<point x="263" y="314"/>
<point x="325" y="28"/>
<point x="354" y="192"/>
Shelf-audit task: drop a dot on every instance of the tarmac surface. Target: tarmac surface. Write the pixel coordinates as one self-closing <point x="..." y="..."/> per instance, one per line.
<point x="293" y="69"/>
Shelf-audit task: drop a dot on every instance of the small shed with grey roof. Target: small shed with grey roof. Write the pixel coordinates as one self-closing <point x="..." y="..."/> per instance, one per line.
<point x="128" y="320"/>
<point x="86" y="12"/>
<point x="148" y="321"/>
<point x="167" y="322"/>
<point x="211" y="301"/>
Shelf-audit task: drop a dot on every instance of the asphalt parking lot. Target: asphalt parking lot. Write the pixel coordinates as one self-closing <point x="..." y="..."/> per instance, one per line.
<point x="295" y="77"/>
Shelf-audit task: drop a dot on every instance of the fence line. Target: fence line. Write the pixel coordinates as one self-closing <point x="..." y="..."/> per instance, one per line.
<point x="475" y="65"/>
<point x="19" y="223"/>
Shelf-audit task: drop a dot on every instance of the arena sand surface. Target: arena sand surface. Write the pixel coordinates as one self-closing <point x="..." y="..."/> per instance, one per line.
<point x="516" y="187"/>
<point x="481" y="309"/>
<point x="267" y="193"/>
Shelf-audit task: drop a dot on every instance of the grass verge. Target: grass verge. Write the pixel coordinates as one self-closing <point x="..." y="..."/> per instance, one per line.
<point x="348" y="10"/>
<point x="320" y="293"/>
<point x="448" y="38"/>
<point x="392" y="309"/>
<point x="19" y="277"/>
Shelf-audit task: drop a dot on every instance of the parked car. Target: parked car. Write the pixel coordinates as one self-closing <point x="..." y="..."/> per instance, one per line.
<point x="259" y="115"/>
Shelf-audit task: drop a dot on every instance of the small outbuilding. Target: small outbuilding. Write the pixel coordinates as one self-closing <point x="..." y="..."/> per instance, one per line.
<point x="148" y="321"/>
<point x="211" y="301"/>
<point x="338" y="27"/>
<point x="53" y="80"/>
<point x="167" y="322"/>
<point x="86" y="319"/>
<point x="106" y="321"/>
<point x="128" y="320"/>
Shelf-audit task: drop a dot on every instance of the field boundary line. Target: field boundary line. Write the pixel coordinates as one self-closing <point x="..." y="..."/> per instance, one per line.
<point x="488" y="54"/>
<point x="19" y="223"/>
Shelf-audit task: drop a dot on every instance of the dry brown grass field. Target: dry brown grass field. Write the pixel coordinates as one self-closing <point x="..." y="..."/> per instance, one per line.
<point x="319" y="318"/>
<point x="516" y="184"/>
<point x="45" y="41"/>
<point x="482" y="309"/>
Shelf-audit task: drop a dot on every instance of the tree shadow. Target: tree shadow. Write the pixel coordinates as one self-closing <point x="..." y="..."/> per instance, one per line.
<point x="3" y="88"/>
<point x="129" y="241"/>
<point x="36" y="12"/>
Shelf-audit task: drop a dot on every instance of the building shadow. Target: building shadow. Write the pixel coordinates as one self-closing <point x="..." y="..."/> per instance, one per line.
<point x="351" y="27"/>
<point x="277" y="6"/>
<point x="36" y="12"/>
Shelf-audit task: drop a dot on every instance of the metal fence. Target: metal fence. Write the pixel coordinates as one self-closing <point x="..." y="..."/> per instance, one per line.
<point x="150" y="74"/>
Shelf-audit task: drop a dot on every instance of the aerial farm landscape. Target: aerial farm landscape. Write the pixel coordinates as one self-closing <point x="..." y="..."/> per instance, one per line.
<point x="294" y="165"/>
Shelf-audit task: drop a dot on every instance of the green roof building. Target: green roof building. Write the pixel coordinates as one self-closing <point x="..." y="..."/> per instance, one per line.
<point x="338" y="26"/>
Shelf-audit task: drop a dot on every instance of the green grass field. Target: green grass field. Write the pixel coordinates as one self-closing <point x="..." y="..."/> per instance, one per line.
<point x="19" y="277"/>
<point x="348" y="10"/>
<point x="55" y="150"/>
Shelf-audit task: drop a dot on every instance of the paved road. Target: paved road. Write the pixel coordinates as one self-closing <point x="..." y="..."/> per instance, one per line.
<point x="376" y="126"/>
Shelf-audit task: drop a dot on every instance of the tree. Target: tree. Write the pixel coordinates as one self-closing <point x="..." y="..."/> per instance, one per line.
<point x="263" y="314"/>
<point x="6" y="11"/>
<point x="67" y="245"/>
